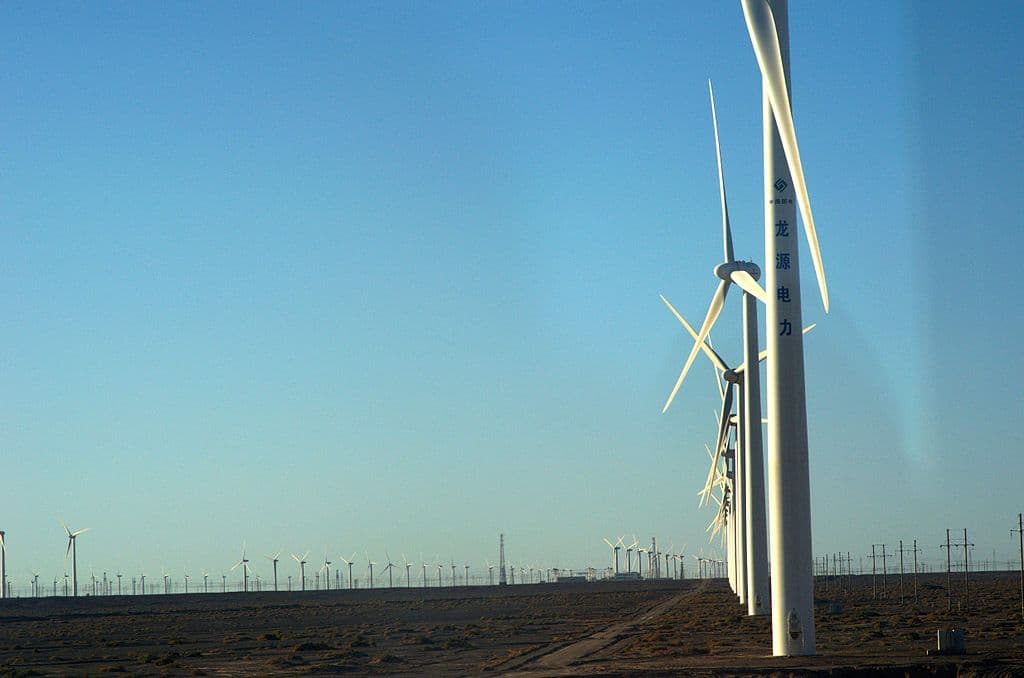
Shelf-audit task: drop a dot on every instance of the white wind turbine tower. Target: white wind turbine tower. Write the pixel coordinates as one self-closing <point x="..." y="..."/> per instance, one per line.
<point x="348" y="561"/>
<point x="369" y="566"/>
<point x="408" y="567"/>
<point x="615" y="550"/>
<point x="326" y="569"/>
<point x="274" y="558"/>
<point x="629" y="554"/>
<point x="750" y="547"/>
<point x="490" y="573"/>
<point x="73" y="550"/>
<point x="302" y="567"/>
<point x="244" y="562"/>
<point x="752" y="550"/>
<point x="3" y="565"/>
<point x="388" y="568"/>
<point x="792" y="581"/>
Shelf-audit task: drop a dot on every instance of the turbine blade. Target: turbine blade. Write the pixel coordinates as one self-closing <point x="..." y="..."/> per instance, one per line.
<point x="723" y="427"/>
<point x="746" y="282"/>
<point x="712" y="355"/>
<point x="726" y="230"/>
<point x="765" y="39"/>
<point x="68" y="552"/>
<point x="82" y="531"/>
<point x="717" y="302"/>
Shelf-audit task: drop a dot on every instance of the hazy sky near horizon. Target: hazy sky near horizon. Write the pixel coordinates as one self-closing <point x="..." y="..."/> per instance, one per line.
<point x="366" y="276"/>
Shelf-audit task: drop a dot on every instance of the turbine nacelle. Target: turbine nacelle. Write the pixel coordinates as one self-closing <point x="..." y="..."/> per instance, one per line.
<point x="726" y="270"/>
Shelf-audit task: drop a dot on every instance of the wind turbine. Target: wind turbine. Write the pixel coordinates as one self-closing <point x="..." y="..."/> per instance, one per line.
<point x="749" y="462"/>
<point x="749" y="547"/>
<point x="369" y="565"/>
<point x="390" y="566"/>
<point x="274" y="558"/>
<point x="244" y="562"/>
<point x="348" y="561"/>
<point x="326" y="569"/>
<point x="302" y="567"/>
<point x="186" y="579"/>
<point x="3" y="565"/>
<point x="792" y="581"/>
<point x="629" y="554"/>
<point x="615" y="549"/>
<point x="408" y="577"/>
<point x="206" y="582"/>
<point x="490" y="573"/>
<point x="73" y="550"/>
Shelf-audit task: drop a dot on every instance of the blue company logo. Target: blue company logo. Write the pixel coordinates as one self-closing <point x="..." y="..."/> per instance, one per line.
<point x="780" y="185"/>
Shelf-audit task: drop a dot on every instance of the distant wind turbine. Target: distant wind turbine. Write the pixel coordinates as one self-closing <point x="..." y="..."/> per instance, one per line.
<point x="3" y="564"/>
<point x="244" y="562"/>
<point x="615" y="549"/>
<point x="326" y="569"/>
<point x="302" y="567"/>
<point x="349" y="561"/>
<point x="73" y="550"/>
<point x="408" y="577"/>
<point x="369" y="565"/>
<point x="390" y="566"/>
<point x="274" y="558"/>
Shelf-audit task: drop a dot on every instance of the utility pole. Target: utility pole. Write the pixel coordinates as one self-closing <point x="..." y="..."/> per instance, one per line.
<point x="901" y="571"/>
<point x="1020" y="535"/>
<point x="915" y="571"/>
<point x="874" y="591"/>
<point x="967" y="568"/>
<point x="885" y="588"/>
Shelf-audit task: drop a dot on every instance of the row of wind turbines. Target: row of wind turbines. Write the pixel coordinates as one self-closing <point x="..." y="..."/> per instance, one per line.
<point x="674" y="562"/>
<point x="421" y="574"/>
<point x="735" y="480"/>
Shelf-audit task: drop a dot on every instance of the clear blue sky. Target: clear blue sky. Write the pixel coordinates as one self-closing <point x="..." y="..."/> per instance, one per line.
<point x="375" y="276"/>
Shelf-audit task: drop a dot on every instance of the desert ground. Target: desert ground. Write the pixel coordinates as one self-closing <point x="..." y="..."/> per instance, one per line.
<point x="690" y="627"/>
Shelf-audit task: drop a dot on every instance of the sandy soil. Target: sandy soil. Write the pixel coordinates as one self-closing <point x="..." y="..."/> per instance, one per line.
<point x="624" y="628"/>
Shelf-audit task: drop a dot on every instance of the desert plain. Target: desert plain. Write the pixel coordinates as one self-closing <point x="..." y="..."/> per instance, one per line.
<point x="610" y="628"/>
